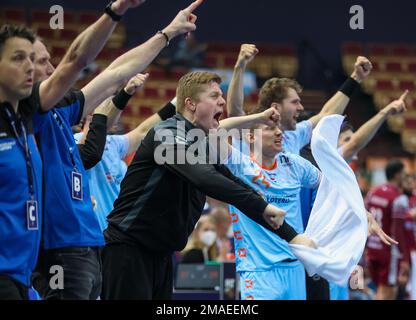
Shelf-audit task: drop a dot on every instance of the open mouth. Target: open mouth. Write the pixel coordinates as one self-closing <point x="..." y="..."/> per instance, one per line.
<point x="217" y="116"/>
<point x="29" y="82"/>
<point x="278" y="141"/>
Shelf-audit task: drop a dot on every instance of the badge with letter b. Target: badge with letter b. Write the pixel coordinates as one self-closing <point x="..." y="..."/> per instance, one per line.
<point x="32" y="215"/>
<point x="76" y="185"/>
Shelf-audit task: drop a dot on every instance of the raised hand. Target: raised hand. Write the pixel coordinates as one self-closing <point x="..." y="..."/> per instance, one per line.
<point x="397" y="106"/>
<point x="362" y="68"/>
<point x="121" y="6"/>
<point x="184" y="22"/>
<point x="136" y="83"/>
<point x="375" y="229"/>
<point x="271" y="117"/>
<point x="274" y="216"/>
<point x="246" y="55"/>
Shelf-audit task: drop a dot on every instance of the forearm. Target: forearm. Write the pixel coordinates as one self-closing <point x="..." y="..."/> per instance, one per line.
<point x="121" y="70"/>
<point x="232" y="191"/>
<point x="92" y="148"/>
<point x="338" y="102"/>
<point x="240" y="122"/>
<point x="138" y="58"/>
<point x="136" y="136"/>
<point x="90" y="42"/>
<point x="108" y="109"/>
<point x="363" y="135"/>
<point x="235" y="94"/>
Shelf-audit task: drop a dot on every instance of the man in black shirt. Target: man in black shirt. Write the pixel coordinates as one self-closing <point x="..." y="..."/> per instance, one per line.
<point x="163" y="194"/>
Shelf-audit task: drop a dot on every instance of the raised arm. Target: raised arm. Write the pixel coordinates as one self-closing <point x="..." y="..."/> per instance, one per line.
<point x="136" y="135"/>
<point x="338" y="103"/>
<point x="367" y="131"/>
<point x="81" y="52"/>
<point x="137" y="59"/>
<point x="235" y="93"/>
<point x="269" y="117"/>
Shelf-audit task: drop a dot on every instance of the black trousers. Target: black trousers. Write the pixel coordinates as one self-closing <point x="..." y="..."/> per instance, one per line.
<point x="11" y="289"/>
<point x="81" y="268"/>
<point x="130" y="272"/>
<point x="317" y="288"/>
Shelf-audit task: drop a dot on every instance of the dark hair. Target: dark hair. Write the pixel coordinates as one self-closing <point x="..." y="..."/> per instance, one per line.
<point x="8" y="31"/>
<point x="393" y="167"/>
<point x="345" y="126"/>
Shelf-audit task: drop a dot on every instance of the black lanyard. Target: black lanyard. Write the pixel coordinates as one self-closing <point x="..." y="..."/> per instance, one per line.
<point x="25" y="145"/>
<point x="70" y="149"/>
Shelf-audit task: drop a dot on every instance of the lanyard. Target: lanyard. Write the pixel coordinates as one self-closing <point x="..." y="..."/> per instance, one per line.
<point x="70" y="149"/>
<point x="25" y="145"/>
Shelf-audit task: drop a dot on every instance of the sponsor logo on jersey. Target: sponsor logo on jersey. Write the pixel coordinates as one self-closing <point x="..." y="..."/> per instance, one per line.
<point x="7" y="145"/>
<point x="284" y="160"/>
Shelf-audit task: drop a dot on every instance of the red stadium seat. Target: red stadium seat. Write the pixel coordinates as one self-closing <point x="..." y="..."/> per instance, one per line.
<point x="46" y="33"/>
<point x="407" y="85"/>
<point x="384" y="85"/>
<point x="412" y="67"/>
<point x="88" y="17"/>
<point x="151" y="93"/>
<point x="286" y="51"/>
<point x="15" y="14"/>
<point x="211" y="61"/>
<point x="229" y="61"/>
<point x="402" y="50"/>
<point x="254" y="97"/>
<point x="177" y="74"/>
<point x="353" y="48"/>
<point x="376" y="66"/>
<point x="68" y="34"/>
<point x="145" y="111"/>
<point x="157" y="74"/>
<point x="41" y="16"/>
<point x="378" y="50"/>
<point x="70" y="17"/>
<point x="170" y="93"/>
<point x="410" y="123"/>
<point x="393" y="67"/>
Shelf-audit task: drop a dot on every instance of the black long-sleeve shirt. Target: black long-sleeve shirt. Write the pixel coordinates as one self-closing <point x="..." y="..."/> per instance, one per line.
<point x="91" y="151"/>
<point x="159" y="204"/>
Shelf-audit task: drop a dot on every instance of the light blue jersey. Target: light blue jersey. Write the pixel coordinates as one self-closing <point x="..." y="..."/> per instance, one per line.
<point x="258" y="249"/>
<point x="337" y="292"/>
<point x="105" y="178"/>
<point x="294" y="141"/>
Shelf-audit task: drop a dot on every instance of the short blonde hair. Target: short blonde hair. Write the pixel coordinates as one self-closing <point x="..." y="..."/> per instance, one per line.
<point x="192" y="84"/>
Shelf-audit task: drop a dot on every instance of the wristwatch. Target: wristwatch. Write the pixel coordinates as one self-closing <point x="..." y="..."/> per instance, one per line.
<point x="114" y="16"/>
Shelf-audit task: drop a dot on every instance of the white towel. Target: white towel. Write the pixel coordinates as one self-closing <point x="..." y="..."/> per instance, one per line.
<point x="338" y="221"/>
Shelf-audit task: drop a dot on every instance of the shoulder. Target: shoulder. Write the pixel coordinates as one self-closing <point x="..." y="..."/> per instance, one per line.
<point x="71" y="98"/>
<point x="29" y="106"/>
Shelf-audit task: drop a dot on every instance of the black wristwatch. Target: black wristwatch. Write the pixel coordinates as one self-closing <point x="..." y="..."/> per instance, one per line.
<point x="114" y="16"/>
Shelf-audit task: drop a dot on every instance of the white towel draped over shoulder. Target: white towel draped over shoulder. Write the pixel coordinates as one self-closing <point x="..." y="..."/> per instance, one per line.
<point x="338" y="221"/>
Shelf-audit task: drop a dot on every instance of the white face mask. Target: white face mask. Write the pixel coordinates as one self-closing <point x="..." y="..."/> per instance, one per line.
<point x="230" y="233"/>
<point x="208" y="237"/>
